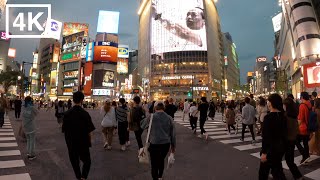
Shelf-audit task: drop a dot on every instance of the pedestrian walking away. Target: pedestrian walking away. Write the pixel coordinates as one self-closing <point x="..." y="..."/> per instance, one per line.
<point x="162" y="139"/>
<point x="121" y="117"/>
<point x="29" y="128"/>
<point x="203" y="109"/>
<point x="60" y="113"/>
<point x="212" y="110"/>
<point x="135" y="115"/>
<point x="248" y="115"/>
<point x="274" y="140"/>
<point x="17" y="107"/>
<point x="108" y="124"/>
<point x="186" y="108"/>
<point x="194" y="114"/>
<point x="170" y="108"/>
<point x="291" y="114"/>
<point x="262" y="111"/>
<point x="303" y="134"/>
<point x="231" y="118"/>
<point x="77" y="127"/>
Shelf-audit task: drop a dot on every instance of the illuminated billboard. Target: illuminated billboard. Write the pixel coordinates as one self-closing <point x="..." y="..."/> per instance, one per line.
<point x="89" y="53"/>
<point x="88" y="78"/>
<point x="53" y="29"/>
<point x="108" y="22"/>
<point x="56" y="52"/>
<point x="35" y="61"/>
<point x="122" y="66"/>
<point x="12" y="52"/>
<point x="72" y="46"/>
<point x="103" y="78"/>
<point x="312" y="75"/>
<point x="101" y="92"/>
<point x="105" y="51"/>
<point x="261" y="59"/>
<point x="178" y="26"/>
<point x="123" y="51"/>
<point x="72" y="28"/>
<point x="276" y="21"/>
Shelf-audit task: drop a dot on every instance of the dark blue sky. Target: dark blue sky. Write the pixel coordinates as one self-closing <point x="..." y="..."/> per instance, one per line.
<point x="248" y="21"/>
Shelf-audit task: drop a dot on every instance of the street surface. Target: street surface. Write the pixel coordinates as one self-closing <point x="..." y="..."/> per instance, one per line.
<point x="223" y="157"/>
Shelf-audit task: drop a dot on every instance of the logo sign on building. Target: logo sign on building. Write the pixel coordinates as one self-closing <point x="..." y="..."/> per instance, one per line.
<point x="101" y="92"/>
<point x="70" y="74"/>
<point x="72" y="28"/>
<point x="108" y="22"/>
<point x="12" y="52"/>
<point x="123" y="51"/>
<point x="261" y="59"/>
<point x="3" y="36"/>
<point x="250" y="74"/>
<point x="276" y="21"/>
<point x="201" y="88"/>
<point x="176" y="77"/>
<point x="53" y="29"/>
<point x="24" y="20"/>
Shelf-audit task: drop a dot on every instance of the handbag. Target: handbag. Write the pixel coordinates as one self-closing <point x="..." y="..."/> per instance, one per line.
<point x="144" y="157"/>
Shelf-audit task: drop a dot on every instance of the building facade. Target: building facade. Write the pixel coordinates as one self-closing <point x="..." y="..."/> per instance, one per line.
<point x="4" y="48"/>
<point x="181" y="49"/>
<point x="231" y="66"/>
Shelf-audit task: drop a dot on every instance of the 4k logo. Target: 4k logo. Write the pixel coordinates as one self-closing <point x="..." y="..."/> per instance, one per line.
<point x="26" y="20"/>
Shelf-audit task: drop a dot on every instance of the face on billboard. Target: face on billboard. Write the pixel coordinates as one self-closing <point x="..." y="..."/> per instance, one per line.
<point x="72" y="28"/>
<point x="313" y="74"/>
<point x="105" y="51"/>
<point x="108" y="22"/>
<point x="103" y="78"/>
<point x="178" y="25"/>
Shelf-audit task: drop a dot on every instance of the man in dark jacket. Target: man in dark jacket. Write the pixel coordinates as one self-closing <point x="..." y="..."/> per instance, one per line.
<point x="77" y="127"/>
<point x="170" y="109"/>
<point x="17" y="107"/>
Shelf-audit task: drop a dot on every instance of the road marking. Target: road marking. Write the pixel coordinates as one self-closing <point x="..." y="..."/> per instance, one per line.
<point x="298" y="159"/>
<point x="248" y="146"/>
<point x="11" y="164"/>
<point x="7" y="138"/>
<point x="8" y="144"/>
<point x="6" y="127"/>
<point x="24" y="176"/>
<point x="6" y="130"/>
<point x="10" y="153"/>
<point x="219" y="132"/>
<point x="6" y="133"/>
<point x="314" y="174"/>
<point x="230" y="141"/>
<point x="225" y="136"/>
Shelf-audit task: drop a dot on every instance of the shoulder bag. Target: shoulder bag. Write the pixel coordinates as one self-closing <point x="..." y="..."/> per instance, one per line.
<point x="144" y="157"/>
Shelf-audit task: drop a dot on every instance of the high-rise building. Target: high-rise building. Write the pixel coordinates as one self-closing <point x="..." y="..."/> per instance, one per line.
<point x="316" y="6"/>
<point x="231" y="65"/>
<point x="181" y="49"/>
<point x="48" y="56"/>
<point x="2" y="8"/>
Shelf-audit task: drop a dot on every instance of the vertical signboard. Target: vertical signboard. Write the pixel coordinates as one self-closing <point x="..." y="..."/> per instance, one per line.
<point x="88" y="78"/>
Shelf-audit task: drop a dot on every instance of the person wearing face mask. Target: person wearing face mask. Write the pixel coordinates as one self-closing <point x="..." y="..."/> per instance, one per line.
<point x="274" y="140"/>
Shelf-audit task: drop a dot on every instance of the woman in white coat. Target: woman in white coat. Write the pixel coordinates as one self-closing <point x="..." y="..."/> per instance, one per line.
<point x="108" y="124"/>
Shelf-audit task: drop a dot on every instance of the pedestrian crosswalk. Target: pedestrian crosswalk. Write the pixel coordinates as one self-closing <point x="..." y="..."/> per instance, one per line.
<point x="217" y="131"/>
<point x="10" y="155"/>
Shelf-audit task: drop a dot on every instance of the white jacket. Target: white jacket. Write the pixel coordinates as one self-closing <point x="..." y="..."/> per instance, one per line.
<point x="109" y="119"/>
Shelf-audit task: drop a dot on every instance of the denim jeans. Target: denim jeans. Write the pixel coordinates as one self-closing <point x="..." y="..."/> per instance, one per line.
<point x="31" y="138"/>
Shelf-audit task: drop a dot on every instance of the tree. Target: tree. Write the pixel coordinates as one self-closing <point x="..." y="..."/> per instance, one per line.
<point x="8" y="79"/>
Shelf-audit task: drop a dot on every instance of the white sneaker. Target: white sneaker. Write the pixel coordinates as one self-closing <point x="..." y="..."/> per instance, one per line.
<point x="128" y="143"/>
<point x="123" y="147"/>
<point x="105" y="145"/>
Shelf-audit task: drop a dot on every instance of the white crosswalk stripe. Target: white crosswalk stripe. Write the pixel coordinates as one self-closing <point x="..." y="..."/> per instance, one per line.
<point x="9" y="151"/>
<point x="216" y="130"/>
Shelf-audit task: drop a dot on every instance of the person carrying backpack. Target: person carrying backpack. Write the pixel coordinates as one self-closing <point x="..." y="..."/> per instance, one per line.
<point x="135" y="115"/>
<point x="303" y="135"/>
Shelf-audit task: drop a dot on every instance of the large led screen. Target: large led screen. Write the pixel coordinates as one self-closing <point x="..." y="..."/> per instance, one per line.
<point x="108" y="22"/>
<point x="72" y="46"/>
<point x="106" y="52"/>
<point x="71" y="28"/>
<point x="313" y="74"/>
<point x="178" y="25"/>
<point x="103" y="78"/>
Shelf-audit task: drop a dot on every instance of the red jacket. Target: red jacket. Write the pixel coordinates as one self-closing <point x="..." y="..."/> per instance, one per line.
<point x="303" y="117"/>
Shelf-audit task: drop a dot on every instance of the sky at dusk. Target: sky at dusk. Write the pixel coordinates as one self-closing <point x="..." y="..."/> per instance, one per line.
<point x="249" y="23"/>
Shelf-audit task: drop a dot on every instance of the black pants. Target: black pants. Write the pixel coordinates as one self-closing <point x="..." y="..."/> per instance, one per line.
<point x="244" y="126"/>
<point x="1" y="118"/>
<point x="202" y="121"/>
<point x="17" y="112"/>
<point x="231" y="125"/>
<point x="158" y="153"/>
<point x="138" y="134"/>
<point x="76" y="154"/>
<point x="193" y="122"/>
<point x="289" y="156"/>
<point x="123" y="132"/>
<point x="304" y="151"/>
<point x="273" y="164"/>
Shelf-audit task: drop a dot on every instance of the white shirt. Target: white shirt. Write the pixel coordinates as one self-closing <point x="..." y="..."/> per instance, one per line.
<point x="194" y="111"/>
<point x="186" y="107"/>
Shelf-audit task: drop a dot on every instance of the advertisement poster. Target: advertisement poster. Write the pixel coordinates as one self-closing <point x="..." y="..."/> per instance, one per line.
<point x="105" y="51"/>
<point x="108" y="22"/>
<point x="89" y="53"/>
<point x="53" y="78"/>
<point x="56" y="52"/>
<point x="178" y="26"/>
<point x="103" y="78"/>
<point x="122" y="66"/>
<point x="312" y="75"/>
<point x="72" y="28"/>
<point x="70" y="74"/>
<point x="72" y="46"/>
<point x="88" y="78"/>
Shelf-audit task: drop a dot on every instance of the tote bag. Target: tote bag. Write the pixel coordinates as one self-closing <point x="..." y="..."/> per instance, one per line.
<point x="144" y="157"/>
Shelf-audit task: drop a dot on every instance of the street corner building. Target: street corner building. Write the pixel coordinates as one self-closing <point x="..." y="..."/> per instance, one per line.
<point x="181" y="48"/>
